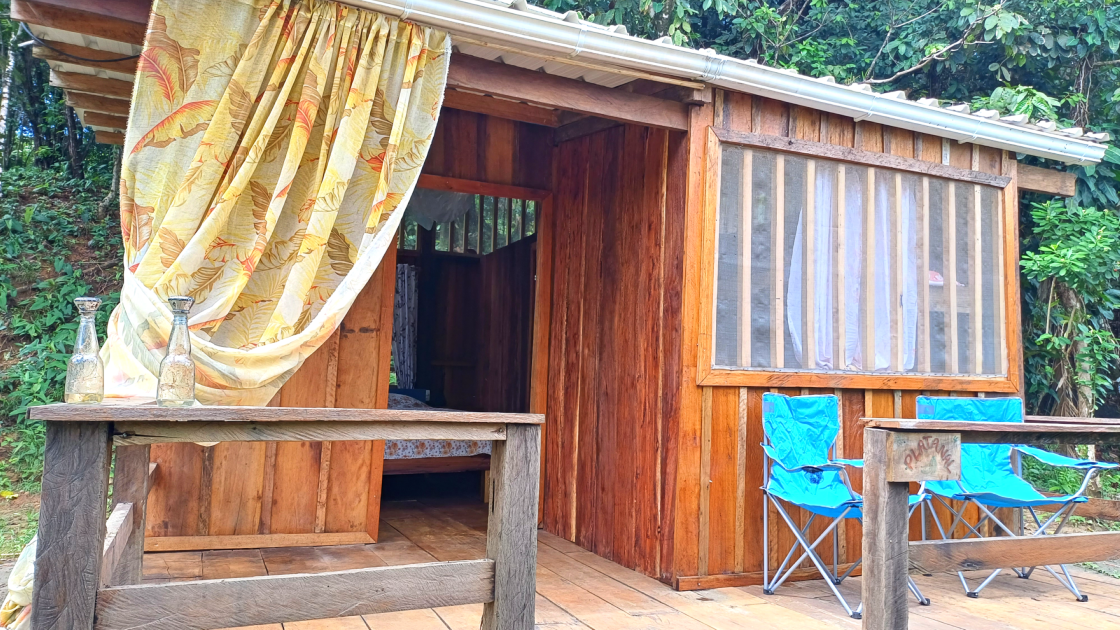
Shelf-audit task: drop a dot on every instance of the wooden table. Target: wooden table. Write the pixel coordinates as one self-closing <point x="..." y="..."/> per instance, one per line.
<point x="88" y="571"/>
<point x="898" y="452"/>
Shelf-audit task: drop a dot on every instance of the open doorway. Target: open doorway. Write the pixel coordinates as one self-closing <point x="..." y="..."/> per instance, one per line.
<point x="462" y="325"/>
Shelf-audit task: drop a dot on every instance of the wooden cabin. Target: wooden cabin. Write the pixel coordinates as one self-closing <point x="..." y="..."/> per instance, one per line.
<point x="653" y="237"/>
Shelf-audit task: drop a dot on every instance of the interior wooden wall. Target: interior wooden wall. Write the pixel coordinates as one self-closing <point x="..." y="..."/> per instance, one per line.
<point x="718" y="470"/>
<point x="331" y="491"/>
<point x="474" y="319"/>
<point x="506" y="322"/>
<point x="614" y="334"/>
<point x="488" y="149"/>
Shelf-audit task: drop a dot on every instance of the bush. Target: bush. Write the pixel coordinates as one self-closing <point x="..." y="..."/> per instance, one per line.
<point x="55" y="248"/>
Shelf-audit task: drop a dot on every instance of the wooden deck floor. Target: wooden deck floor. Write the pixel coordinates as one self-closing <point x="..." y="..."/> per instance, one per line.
<point x="579" y="590"/>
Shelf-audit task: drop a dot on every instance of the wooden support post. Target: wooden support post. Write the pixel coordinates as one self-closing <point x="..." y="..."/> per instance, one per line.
<point x="867" y="290"/>
<point x="117" y="533"/>
<point x="131" y="482"/>
<point x="511" y="534"/>
<point x="885" y="539"/>
<point x="71" y="525"/>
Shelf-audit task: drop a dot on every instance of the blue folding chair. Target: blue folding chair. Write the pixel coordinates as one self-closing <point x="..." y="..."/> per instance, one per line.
<point x="989" y="479"/>
<point x="800" y="433"/>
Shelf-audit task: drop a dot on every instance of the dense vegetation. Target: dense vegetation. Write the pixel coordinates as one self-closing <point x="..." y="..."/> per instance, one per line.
<point x="1052" y="59"/>
<point x="59" y="239"/>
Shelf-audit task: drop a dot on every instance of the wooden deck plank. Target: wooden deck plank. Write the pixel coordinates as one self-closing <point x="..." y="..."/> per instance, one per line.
<point x="578" y="590"/>
<point x="426" y="619"/>
<point x="345" y="623"/>
<point x="600" y="614"/>
<point x="232" y="563"/>
<point x="444" y="538"/>
<point x="174" y="565"/>
<point x="622" y="596"/>
<point x="287" y="560"/>
<point x="395" y="549"/>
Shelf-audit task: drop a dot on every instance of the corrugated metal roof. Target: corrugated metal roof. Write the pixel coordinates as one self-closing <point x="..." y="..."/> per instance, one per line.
<point x="613" y="77"/>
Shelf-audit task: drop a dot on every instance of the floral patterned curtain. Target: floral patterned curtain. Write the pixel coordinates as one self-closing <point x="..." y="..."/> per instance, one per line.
<point x="271" y="148"/>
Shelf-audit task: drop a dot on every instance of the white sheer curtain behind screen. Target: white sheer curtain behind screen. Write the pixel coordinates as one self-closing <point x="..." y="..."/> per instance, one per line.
<point x="888" y="225"/>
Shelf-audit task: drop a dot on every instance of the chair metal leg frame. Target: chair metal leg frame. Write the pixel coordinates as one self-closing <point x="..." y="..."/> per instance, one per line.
<point x="779" y="576"/>
<point x="910" y="583"/>
<point x="831" y="577"/>
<point x="958" y="517"/>
<point x="1064" y="512"/>
<point x="812" y="555"/>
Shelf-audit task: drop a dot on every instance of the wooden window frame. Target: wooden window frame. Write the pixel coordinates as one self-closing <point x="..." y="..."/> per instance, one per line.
<point x="1007" y="248"/>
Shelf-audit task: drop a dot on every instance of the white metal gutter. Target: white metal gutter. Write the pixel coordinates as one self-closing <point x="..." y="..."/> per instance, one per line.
<point x="548" y="32"/>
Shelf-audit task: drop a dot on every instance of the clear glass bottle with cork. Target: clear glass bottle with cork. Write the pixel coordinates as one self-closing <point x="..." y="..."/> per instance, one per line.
<point x="176" y="371"/>
<point x="85" y="373"/>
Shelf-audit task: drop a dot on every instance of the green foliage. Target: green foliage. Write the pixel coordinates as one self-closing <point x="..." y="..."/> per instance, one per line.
<point x="55" y="248"/>
<point x="1072" y="267"/>
<point x="16" y="530"/>
<point x="1067" y="480"/>
<point x="1023" y="99"/>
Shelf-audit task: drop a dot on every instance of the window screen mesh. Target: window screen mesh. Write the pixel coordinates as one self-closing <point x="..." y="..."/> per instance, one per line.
<point x="827" y="266"/>
<point x="490" y="223"/>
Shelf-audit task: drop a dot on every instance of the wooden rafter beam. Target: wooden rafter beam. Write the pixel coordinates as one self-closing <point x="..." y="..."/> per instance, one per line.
<point x="97" y="103"/>
<point x="118" y="20"/>
<point x="108" y="121"/>
<point x="82" y="56"/>
<point x="538" y="88"/>
<point x="1044" y="180"/>
<point x="109" y="137"/>
<point x="73" y="81"/>
<point x="582" y="127"/>
<point x="500" y="108"/>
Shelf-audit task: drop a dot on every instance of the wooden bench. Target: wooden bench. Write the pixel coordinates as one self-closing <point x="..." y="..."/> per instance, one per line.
<point x="86" y="580"/>
<point x="889" y="468"/>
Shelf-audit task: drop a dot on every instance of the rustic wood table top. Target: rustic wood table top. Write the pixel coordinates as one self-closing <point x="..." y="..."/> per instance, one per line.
<point x="1006" y="432"/>
<point x="146" y="412"/>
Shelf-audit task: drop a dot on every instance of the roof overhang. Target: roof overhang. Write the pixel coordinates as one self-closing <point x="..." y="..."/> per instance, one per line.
<point x="535" y="39"/>
<point x="540" y="32"/>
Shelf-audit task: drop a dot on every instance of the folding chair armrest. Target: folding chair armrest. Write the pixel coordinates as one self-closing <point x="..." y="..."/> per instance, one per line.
<point x="1055" y="459"/>
<point x="854" y="463"/>
<point x="833" y="465"/>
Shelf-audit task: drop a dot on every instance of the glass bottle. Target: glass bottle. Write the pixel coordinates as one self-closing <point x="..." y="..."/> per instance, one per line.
<point x="85" y="373"/>
<point x="176" y="371"/>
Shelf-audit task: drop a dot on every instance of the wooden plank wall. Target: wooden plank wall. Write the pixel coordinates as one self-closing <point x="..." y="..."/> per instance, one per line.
<point x="475" y="316"/>
<point x="488" y="149"/>
<point x="506" y="323"/>
<point x="241" y="488"/>
<point x="613" y="339"/>
<point x="447" y="336"/>
<point x="308" y="488"/>
<point x="717" y="503"/>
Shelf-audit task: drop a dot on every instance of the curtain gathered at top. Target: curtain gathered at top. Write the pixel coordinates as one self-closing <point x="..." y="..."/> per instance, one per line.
<point x="271" y="149"/>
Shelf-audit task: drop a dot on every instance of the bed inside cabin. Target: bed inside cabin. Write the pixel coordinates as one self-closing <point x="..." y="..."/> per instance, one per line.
<point x="462" y="324"/>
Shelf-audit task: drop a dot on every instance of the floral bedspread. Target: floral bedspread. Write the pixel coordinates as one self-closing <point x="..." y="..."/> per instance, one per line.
<point x="415" y="449"/>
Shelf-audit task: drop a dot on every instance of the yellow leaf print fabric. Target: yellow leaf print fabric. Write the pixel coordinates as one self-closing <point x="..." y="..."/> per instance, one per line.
<point x="270" y="150"/>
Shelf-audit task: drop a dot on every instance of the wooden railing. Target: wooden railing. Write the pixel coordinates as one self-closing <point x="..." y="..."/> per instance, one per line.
<point x="897" y="452"/>
<point x="86" y="580"/>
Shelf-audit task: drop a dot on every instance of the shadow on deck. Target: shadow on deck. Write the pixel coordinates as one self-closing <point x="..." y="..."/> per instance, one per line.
<point x="578" y="590"/>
